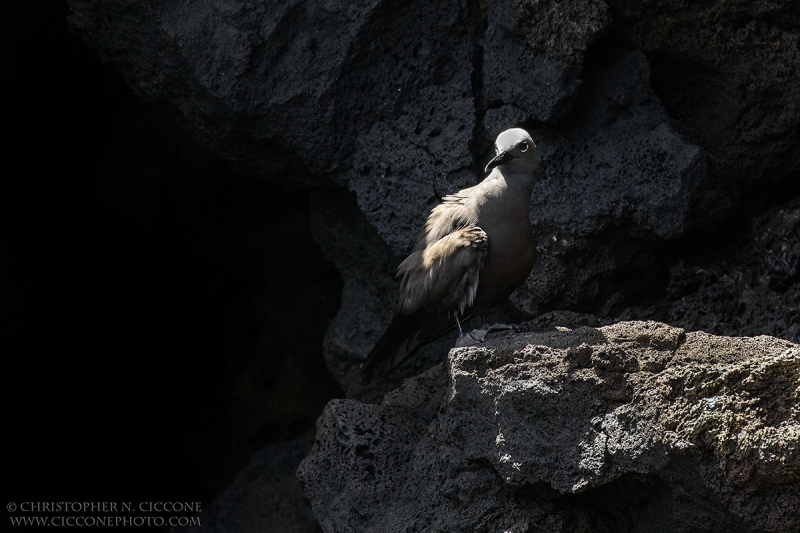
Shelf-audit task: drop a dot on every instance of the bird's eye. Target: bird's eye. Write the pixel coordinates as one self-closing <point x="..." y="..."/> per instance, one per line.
<point x="523" y="147"/>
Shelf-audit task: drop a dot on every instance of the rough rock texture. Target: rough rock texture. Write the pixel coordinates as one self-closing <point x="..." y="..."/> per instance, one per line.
<point x="652" y="118"/>
<point x="547" y="63"/>
<point x="637" y="426"/>
<point x="264" y="496"/>
<point x="612" y="172"/>
<point x="748" y="285"/>
<point x="727" y="73"/>
<point x="655" y="122"/>
<point x="358" y="253"/>
<point x="375" y="95"/>
<point x="755" y="290"/>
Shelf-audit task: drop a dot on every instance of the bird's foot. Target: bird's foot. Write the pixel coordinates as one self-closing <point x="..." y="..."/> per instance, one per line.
<point x="476" y="336"/>
<point x="500" y="327"/>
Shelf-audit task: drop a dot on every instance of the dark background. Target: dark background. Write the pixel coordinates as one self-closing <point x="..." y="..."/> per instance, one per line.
<point x="162" y="315"/>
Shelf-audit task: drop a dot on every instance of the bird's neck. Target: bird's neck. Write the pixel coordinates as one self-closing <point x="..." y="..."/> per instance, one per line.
<point x="512" y="193"/>
<point x="518" y="186"/>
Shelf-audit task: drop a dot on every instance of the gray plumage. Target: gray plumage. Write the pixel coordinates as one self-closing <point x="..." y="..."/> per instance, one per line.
<point x="476" y="247"/>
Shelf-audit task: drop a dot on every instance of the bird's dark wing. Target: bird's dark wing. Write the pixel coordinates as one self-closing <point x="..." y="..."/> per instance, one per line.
<point x="436" y="281"/>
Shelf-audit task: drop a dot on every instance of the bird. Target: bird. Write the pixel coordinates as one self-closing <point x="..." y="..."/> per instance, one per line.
<point x="475" y="249"/>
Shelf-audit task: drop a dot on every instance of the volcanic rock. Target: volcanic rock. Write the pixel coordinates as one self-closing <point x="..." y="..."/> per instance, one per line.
<point x="634" y="426"/>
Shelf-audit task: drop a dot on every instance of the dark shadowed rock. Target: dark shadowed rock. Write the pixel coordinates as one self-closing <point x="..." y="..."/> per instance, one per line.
<point x="635" y="426"/>
<point x="533" y="53"/>
<point x="613" y="172"/>
<point x="654" y="120"/>
<point x="264" y="497"/>
<point x="368" y="300"/>
<point x="753" y="290"/>
<point x="411" y="76"/>
<point x="748" y="285"/>
<point x="398" y="103"/>
<point x="727" y="73"/>
<point x="245" y="77"/>
<point x="358" y="252"/>
<point x="376" y="95"/>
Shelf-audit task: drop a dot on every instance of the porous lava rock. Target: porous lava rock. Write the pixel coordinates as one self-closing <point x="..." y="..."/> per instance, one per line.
<point x="264" y="496"/>
<point x="652" y="119"/>
<point x="637" y="426"/>
<point x="752" y="290"/>
<point x="612" y="172"/>
<point x="546" y="41"/>
<point x="655" y="122"/>
<point x="727" y="73"/>
<point x="745" y="286"/>
<point x="373" y="95"/>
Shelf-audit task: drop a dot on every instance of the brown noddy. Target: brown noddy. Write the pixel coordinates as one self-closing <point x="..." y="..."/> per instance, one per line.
<point x="476" y="247"/>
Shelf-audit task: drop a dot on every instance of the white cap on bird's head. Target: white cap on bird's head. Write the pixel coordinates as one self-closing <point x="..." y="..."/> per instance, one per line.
<point x="515" y="145"/>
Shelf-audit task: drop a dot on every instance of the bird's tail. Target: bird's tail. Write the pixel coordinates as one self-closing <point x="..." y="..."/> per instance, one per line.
<point x="403" y="338"/>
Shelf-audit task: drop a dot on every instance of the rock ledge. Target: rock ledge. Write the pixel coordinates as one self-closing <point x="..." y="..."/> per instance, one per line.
<point x="631" y="427"/>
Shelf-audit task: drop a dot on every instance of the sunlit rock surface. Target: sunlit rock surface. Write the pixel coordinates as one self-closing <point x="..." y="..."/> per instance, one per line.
<point x="637" y="426"/>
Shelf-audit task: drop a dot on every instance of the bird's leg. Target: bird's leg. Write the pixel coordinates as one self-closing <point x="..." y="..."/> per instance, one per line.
<point x="460" y="331"/>
<point x="472" y="338"/>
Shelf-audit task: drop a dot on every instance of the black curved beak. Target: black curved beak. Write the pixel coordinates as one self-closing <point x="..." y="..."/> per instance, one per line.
<point x="499" y="159"/>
